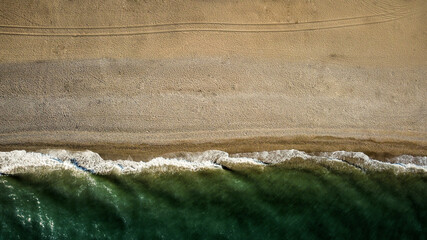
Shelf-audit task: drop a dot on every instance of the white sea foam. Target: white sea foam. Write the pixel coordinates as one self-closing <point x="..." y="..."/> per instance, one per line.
<point x="219" y="157"/>
<point x="363" y="161"/>
<point x="94" y="163"/>
<point x="15" y="162"/>
<point x="408" y="159"/>
<point x="22" y="161"/>
<point x="277" y="156"/>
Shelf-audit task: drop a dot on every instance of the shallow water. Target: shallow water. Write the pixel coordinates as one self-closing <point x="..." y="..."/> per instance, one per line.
<point x="247" y="196"/>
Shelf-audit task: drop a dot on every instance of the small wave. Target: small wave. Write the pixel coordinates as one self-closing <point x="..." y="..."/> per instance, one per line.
<point x="277" y="156"/>
<point x="364" y="162"/>
<point x="20" y="161"/>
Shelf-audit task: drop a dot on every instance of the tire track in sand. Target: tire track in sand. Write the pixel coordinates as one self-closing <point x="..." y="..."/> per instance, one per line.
<point x="219" y="27"/>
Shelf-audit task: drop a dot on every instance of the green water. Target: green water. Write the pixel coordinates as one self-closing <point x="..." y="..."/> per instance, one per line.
<point x="278" y="202"/>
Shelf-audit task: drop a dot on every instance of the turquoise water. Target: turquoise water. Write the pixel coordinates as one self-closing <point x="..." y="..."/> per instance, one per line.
<point x="291" y="200"/>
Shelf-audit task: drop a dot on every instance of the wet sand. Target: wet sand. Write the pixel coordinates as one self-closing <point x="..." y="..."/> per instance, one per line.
<point x="144" y="152"/>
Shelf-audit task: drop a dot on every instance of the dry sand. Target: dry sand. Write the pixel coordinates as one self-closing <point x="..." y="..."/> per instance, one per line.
<point x="132" y="74"/>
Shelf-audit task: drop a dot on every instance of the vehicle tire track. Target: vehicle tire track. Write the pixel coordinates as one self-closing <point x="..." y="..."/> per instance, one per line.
<point x="220" y="27"/>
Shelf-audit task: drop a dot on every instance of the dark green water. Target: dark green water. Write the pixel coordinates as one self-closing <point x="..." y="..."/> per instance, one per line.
<point x="284" y="201"/>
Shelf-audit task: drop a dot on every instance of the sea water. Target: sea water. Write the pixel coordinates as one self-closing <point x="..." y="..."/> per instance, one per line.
<point x="286" y="194"/>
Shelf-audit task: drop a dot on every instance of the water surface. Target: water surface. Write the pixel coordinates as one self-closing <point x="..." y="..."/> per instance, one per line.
<point x="293" y="199"/>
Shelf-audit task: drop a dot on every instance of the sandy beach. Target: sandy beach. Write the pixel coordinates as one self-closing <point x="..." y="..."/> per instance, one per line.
<point x="139" y="76"/>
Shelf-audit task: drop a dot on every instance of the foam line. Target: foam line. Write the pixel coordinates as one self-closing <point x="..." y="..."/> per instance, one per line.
<point x="16" y="162"/>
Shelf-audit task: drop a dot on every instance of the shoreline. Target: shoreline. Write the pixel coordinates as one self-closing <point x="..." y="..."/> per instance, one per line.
<point x="380" y="150"/>
<point x="188" y="119"/>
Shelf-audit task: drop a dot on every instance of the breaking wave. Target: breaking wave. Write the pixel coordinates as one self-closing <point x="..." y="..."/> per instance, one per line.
<point x="20" y="161"/>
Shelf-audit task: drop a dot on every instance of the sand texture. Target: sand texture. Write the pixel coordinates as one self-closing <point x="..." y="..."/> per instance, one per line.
<point x="135" y="72"/>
